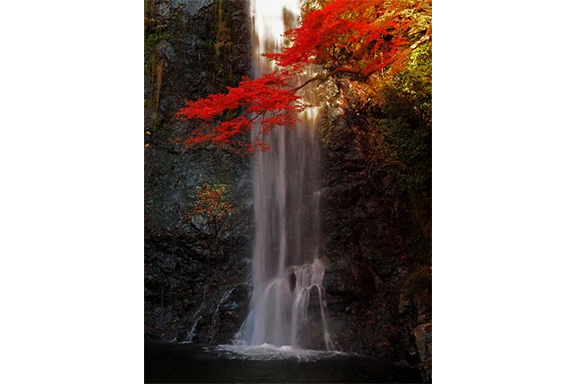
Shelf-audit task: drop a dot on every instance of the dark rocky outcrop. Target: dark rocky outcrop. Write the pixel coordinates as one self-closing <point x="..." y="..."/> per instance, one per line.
<point x="196" y="275"/>
<point x="379" y="299"/>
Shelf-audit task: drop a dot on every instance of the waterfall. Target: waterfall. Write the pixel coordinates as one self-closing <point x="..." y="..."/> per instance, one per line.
<point x="288" y="300"/>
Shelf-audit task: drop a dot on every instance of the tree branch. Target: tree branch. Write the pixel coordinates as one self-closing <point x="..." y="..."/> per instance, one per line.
<point x="325" y="77"/>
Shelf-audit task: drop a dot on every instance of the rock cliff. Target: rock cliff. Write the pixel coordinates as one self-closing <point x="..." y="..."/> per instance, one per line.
<point x="196" y="267"/>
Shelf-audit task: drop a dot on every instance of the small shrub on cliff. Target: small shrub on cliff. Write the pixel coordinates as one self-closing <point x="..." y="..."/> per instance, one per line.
<point x="211" y="210"/>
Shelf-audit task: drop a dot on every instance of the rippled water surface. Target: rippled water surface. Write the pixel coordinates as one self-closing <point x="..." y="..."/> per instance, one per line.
<point x="192" y="363"/>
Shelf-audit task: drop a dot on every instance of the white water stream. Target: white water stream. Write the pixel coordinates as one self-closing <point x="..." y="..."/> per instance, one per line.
<point x="288" y="300"/>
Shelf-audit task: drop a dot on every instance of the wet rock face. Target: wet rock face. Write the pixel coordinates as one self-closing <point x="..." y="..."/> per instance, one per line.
<point x="378" y="302"/>
<point x="422" y="335"/>
<point x="196" y="265"/>
<point x="190" y="299"/>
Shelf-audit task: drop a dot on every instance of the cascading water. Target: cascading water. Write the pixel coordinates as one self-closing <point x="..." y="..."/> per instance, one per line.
<point x="288" y="301"/>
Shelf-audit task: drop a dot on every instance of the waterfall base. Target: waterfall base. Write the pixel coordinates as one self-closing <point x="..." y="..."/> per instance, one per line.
<point x="271" y="352"/>
<point x="290" y="311"/>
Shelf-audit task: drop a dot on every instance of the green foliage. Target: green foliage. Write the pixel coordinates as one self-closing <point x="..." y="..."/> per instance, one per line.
<point x="400" y="131"/>
<point x="407" y="128"/>
<point x="153" y="38"/>
<point x="150" y="42"/>
<point x="222" y="44"/>
<point x="398" y="135"/>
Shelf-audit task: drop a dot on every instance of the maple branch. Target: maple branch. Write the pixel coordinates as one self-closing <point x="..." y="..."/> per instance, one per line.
<point x="358" y="40"/>
<point x="323" y="78"/>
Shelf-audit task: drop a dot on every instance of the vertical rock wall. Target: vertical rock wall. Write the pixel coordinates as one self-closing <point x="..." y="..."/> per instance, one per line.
<point x="379" y="300"/>
<point x="196" y="260"/>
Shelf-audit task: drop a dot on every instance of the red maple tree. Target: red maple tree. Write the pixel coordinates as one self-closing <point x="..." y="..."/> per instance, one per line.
<point x="357" y="38"/>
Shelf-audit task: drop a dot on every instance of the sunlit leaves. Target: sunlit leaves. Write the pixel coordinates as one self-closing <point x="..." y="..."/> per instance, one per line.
<point x="360" y="39"/>
<point x="267" y="100"/>
<point x="364" y="35"/>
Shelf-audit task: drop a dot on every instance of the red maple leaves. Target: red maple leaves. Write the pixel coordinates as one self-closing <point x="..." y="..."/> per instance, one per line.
<point x="268" y="99"/>
<point x="355" y="37"/>
<point x="349" y="36"/>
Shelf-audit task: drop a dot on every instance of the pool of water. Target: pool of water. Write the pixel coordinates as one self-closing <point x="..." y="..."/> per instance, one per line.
<point x="193" y="363"/>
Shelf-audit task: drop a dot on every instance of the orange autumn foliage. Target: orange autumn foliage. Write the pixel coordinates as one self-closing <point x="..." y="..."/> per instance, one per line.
<point x="211" y="211"/>
<point x="344" y="37"/>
